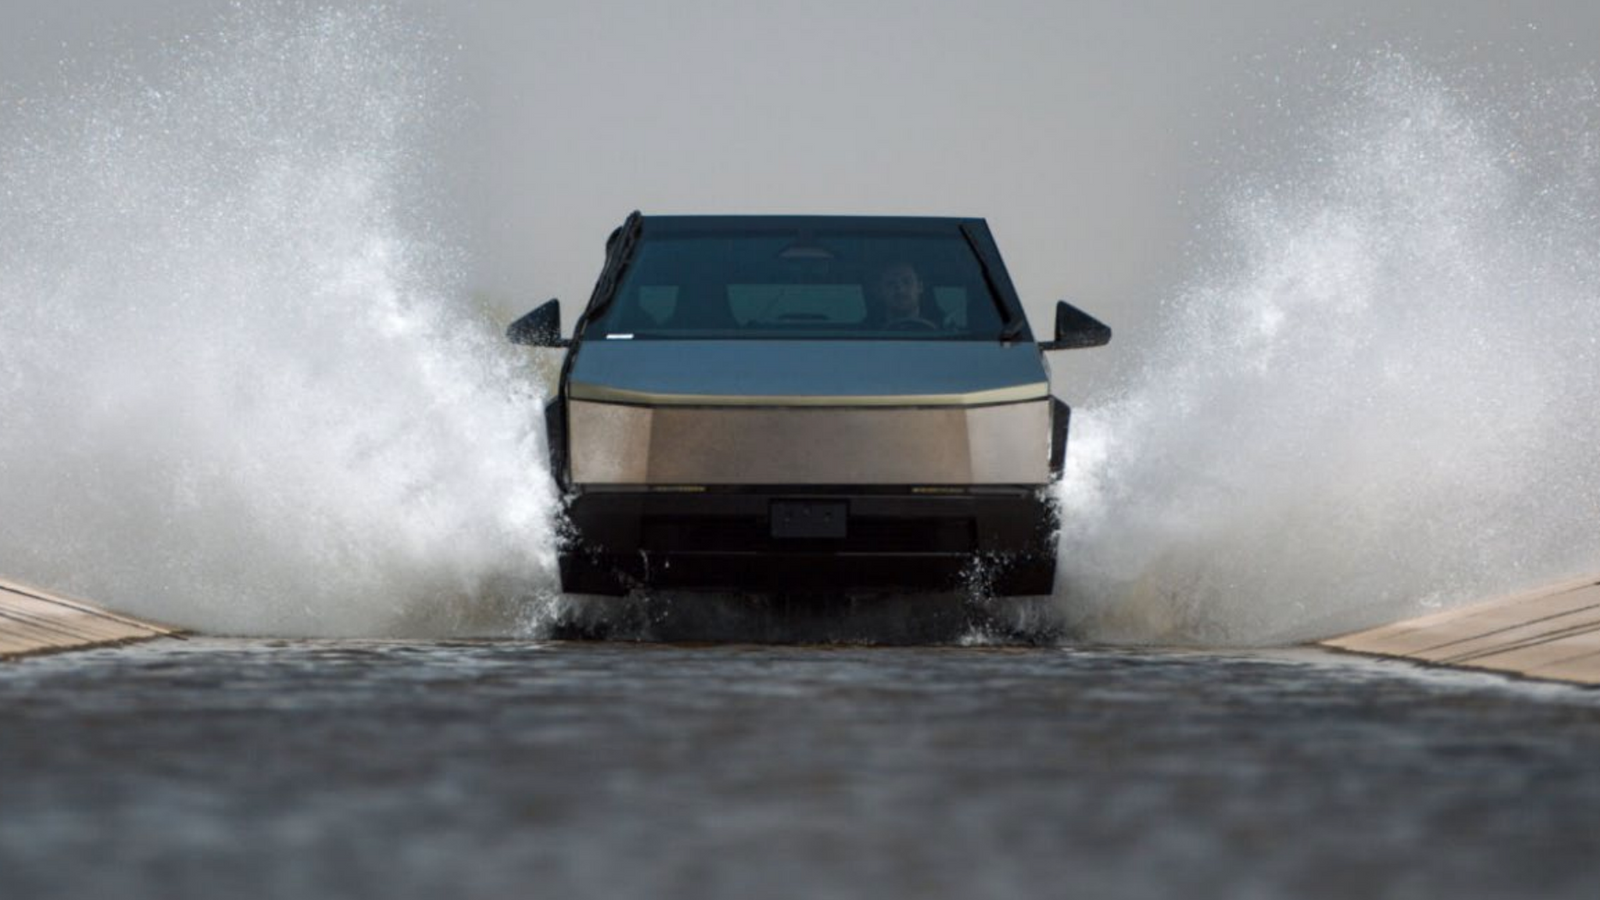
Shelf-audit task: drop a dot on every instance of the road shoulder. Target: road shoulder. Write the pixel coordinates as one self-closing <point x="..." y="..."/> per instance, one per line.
<point x="35" y="621"/>
<point x="1549" y="633"/>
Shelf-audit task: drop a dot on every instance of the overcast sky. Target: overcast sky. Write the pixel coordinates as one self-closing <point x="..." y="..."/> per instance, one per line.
<point x="1094" y="136"/>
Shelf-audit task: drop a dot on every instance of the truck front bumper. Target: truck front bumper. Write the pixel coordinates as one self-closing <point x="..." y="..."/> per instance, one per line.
<point x="773" y="539"/>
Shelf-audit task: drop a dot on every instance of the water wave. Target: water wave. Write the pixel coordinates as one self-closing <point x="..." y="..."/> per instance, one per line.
<point x="1376" y="397"/>
<point x="240" y="388"/>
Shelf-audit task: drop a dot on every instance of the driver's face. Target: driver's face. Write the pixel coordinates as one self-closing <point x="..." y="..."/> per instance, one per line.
<point x="900" y="289"/>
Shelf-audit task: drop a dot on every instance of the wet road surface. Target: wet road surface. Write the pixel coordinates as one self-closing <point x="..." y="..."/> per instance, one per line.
<point x="214" y="768"/>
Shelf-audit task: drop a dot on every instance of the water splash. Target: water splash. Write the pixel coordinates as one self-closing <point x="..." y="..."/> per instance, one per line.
<point x="1380" y="397"/>
<point x="239" y="391"/>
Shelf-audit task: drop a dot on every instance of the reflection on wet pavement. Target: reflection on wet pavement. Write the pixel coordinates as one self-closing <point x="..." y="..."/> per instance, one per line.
<point x="487" y="769"/>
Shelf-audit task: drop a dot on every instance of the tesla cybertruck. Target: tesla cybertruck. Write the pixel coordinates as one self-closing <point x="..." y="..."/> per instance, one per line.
<point x="805" y="403"/>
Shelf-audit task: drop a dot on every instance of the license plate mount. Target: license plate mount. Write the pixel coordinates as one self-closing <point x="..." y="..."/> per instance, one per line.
<point x="810" y="519"/>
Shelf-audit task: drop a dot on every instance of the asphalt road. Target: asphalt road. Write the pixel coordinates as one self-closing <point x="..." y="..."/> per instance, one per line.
<point x="249" y="768"/>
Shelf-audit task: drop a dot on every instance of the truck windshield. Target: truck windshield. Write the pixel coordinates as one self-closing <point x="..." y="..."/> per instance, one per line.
<point x="801" y="285"/>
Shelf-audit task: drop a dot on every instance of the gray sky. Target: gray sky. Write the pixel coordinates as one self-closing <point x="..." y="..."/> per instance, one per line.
<point x="1092" y="135"/>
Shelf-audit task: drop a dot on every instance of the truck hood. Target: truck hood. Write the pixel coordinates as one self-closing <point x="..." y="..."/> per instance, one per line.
<point x="807" y="373"/>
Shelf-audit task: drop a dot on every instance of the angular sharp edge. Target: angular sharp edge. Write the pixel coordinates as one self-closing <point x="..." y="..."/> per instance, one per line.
<point x="37" y="621"/>
<point x="1550" y="633"/>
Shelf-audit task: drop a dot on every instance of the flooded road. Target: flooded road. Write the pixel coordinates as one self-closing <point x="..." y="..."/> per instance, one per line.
<point x="257" y="768"/>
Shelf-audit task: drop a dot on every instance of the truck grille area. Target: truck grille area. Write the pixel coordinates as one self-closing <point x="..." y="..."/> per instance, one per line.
<point x="753" y="534"/>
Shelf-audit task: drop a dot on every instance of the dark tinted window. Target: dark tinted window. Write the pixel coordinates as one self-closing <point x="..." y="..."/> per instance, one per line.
<point x="802" y="284"/>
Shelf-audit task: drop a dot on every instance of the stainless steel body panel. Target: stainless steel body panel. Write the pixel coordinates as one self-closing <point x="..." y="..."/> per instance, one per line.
<point x="813" y="372"/>
<point x="613" y="444"/>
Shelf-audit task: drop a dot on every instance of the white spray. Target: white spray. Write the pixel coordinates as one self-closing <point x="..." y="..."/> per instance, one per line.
<point x="1382" y="397"/>
<point x="238" y="392"/>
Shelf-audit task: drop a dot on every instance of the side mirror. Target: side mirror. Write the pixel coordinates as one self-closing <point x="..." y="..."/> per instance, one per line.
<point x="1076" y="329"/>
<point x="540" y="328"/>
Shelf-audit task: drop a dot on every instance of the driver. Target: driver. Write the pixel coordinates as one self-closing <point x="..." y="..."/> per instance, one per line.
<point x="898" y="291"/>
